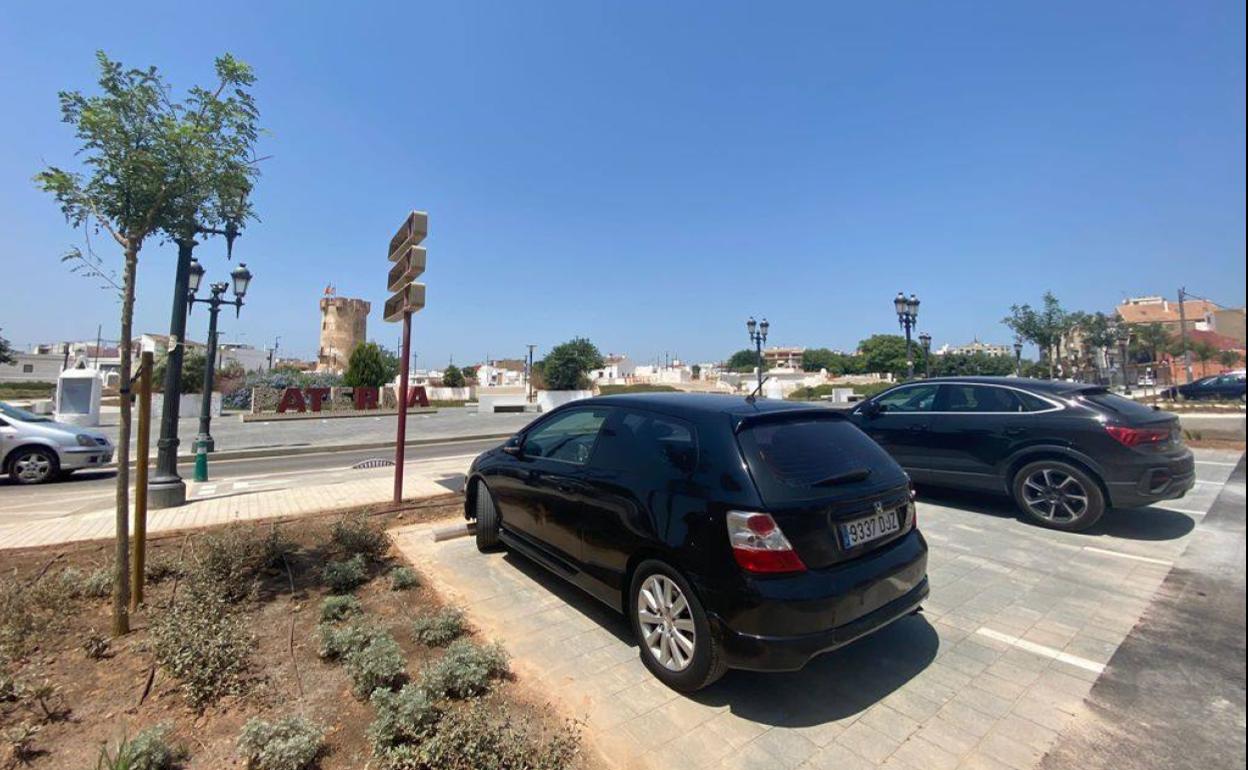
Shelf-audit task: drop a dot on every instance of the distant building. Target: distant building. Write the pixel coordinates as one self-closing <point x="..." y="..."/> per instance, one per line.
<point x="501" y="373"/>
<point x="1147" y="310"/>
<point x="1228" y="322"/>
<point x="344" y="325"/>
<point x="250" y="358"/>
<point x="616" y="370"/>
<point x="976" y="347"/>
<point x="783" y="358"/>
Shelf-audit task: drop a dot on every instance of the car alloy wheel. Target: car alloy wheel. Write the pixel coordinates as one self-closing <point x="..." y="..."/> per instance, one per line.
<point x="1054" y="495"/>
<point x="666" y="622"/>
<point x="33" y="467"/>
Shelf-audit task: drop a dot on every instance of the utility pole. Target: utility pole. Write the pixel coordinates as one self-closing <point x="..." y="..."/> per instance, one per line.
<point x="1187" y="352"/>
<point x="273" y="351"/>
<point x="528" y="378"/>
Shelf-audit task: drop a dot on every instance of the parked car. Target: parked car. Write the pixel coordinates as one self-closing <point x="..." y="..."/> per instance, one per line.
<point x="35" y="449"/>
<point x="1220" y="387"/>
<point x="731" y="533"/>
<point x="1064" y="451"/>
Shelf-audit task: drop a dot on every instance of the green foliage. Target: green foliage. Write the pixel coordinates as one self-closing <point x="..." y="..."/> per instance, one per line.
<point x="336" y="643"/>
<point x="98" y="584"/>
<point x="150" y="750"/>
<point x="276" y="549"/>
<point x="345" y="576"/>
<point x="403" y="578"/>
<point x="1153" y="338"/>
<point x="370" y="367"/>
<point x="452" y="377"/>
<point x="339" y="607"/>
<point x="483" y="736"/>
<point x="1045" y="327"/>
<point x="886" y="354"/>
<point x="160" y="568"/>
<point x="565" y="367"/>
<point x="225" y="564"/>
<point x="405" y="719"/>
<point x="357" y="535"/>
<point x="743" y="361"/>
<point x="203" y="643"/>
<point x="439" y="628"/>
<point x="466" y="670"/>
<point x="6" y="351"/>
<point x="1229" y="358"/>
<point x="956" y="364"/>
<point x="836" y="364"/>
<point x="193" y="363"/>
<point x="380" y="663"/>
<point x="608" y="390"/>
<point x="290" y="743"/>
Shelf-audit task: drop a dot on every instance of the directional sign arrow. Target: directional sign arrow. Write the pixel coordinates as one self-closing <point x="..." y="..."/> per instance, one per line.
<point x="407" y="268"/>
<point x="409" y="299"/>
<point x="410" y="233"/>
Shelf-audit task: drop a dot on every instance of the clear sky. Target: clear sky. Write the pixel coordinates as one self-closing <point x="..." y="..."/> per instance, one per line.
<point x="649" y="174"/>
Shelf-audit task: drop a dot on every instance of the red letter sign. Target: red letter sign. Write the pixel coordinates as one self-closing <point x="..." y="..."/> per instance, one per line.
<point x="365" y="398"/>
<point x="316" y="396"/>
<point x="417" y="395"/>
<point x="292" y="398"/>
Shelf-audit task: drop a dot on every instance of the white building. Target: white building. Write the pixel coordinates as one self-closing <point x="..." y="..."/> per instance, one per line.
<point x="975" y="346"/>
<point x="246" y="356"/>
<point x="616" y="370"/>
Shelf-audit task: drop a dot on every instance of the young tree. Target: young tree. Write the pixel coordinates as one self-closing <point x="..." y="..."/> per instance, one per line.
<point x="125" y="189"/>
<point x="452" y="377"/>
<point x="368" y="367"/>
<point x="1045" y="327"/>
<point x="1151" y="337"/>
<point x="814" y="359"/>
<point x="565" y="367"/>
<point x="1229" y="358"/>
<point x="1204" y="352"/>
<point x="742" y="361"/>
<point x="6" y="352"/>
<point x="886" y="354"/>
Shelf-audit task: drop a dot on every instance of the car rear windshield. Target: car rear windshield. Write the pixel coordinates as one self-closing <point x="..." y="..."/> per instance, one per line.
<point x="806" y="458"/>
<point x="1115" y="403"/>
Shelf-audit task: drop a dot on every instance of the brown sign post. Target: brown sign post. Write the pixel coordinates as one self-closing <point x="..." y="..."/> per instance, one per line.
<point x="408" y="257"/>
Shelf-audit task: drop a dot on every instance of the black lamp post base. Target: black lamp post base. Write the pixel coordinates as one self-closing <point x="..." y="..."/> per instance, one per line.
<point x="205" y="440"/>
<point x="166" y="492"/>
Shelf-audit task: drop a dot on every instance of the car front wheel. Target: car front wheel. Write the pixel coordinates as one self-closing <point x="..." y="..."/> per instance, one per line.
<point x="487" y="525"/>
<point x="672" y="629"/>
<point x="1058" y="495"/>
<point x="35" y="465"/>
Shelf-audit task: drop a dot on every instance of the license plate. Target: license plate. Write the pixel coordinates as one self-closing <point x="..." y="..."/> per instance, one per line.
<point x="855" y="533"/>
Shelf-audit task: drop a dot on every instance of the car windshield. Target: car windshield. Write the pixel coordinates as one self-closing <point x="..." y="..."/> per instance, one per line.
<point x="812" y="457"/>
<point x="21" y="415"/>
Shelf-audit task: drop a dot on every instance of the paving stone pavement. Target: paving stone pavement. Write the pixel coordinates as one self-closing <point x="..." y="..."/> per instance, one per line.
<point x="1020" y="623"/>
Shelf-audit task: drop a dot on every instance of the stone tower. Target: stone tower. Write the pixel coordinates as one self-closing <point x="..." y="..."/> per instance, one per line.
<point x="344" y="324"/>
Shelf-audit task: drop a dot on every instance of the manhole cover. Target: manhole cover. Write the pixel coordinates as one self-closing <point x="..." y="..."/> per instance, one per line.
<point x="373" y="462"/>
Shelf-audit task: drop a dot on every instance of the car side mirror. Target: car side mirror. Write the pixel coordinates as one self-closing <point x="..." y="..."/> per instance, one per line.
<point x="872" y="409"/>
<point x="513" y="447"/>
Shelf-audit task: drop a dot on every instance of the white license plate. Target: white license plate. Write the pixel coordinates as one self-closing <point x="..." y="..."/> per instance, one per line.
<point x="855" y="533"/>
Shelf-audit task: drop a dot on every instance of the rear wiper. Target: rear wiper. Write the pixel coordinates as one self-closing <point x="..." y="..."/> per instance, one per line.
<point x="857" y="474"/>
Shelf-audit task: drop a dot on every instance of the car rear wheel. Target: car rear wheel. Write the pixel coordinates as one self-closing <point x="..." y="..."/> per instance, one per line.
<point x="34" y="465"/>
<point x="1058" y="495"/>
<point x="487" y="518"/>
<point x="672" y="629"/>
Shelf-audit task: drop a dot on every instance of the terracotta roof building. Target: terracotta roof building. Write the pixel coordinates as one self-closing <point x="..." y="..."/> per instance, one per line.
<point x="1147" y="310"/>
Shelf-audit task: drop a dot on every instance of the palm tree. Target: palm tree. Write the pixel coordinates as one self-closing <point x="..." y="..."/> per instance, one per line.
<point x="1152" y="338"/>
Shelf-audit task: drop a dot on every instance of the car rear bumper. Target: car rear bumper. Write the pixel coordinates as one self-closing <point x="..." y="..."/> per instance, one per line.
<point x="1164" y="479"/>
<point x="784" y="622"/>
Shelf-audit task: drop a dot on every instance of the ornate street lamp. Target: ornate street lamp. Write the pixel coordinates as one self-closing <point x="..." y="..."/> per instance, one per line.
<point x="925" y="340"/>
<point x="1123" y="332"/>
<point x="758" y="335"/>
<point x="241" y="279"/>
<point x="1018" y="356"/>
<point x="907" y="316"/>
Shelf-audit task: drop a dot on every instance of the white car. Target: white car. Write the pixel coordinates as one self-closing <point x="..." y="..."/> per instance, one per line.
<point x="35" y="449"/>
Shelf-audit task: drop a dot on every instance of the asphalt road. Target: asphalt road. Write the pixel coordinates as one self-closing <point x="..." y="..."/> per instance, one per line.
<point x="93" y="489"/>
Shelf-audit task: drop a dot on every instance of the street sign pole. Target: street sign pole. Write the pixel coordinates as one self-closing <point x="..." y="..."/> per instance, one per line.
<point x="400" y="442"/>
<point x="408" y="258"/>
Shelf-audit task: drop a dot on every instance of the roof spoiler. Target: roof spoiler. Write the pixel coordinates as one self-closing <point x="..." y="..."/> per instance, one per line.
<point x="786" y="415"/>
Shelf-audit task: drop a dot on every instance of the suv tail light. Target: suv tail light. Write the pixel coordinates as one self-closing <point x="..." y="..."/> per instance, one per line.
<point x="758" y="545"/>
<point x="1138" y="436"/>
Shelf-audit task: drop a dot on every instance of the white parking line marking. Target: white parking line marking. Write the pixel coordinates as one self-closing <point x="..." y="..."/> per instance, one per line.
<point x="1131" y="556"/>
<point x="1043" y="651"/>
<point x="1188" y="511"/>
<point x="968" y="528"/>
<point x="1217" y="463"/>
<point x="1210" y="483"/>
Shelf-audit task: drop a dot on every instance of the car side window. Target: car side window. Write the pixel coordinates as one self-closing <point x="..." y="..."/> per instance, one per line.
<point x="639" y="440"/>
<point x="979" y="398"/>
<point x="1032" y="403"/>
<point x="916" y="398"/>
<point x="568" y="437"/>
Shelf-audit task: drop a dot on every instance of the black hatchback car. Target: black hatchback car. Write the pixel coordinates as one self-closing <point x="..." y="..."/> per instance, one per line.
<point x="732" y="534"/>
<point x="1220" y="387"/>
<point x="1064" y="451"/>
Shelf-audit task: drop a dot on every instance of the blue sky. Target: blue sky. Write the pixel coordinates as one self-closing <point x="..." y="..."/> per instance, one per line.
<point x="649" y="174"/>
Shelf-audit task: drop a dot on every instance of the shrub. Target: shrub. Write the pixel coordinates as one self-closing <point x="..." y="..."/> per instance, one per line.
<point x="378" y="664"/>
<point x="466" y="670"/>
<point x="98" y="584"/>
<point x="150" y="750"/>
<point x="403" y="578"/>
<point x="484" y="737"/>
<point x="276" y="549"/>
<point x="345" y="576"/>
<point x="335" y="643"/>
<point x="95" y="645"/>
<point x="290" y="743"/>
<point x="20" y="740"/>
<point x="356" y="535"/>
<point x="204" y="645"/>
<point x="440" y="628"/>
<point x="339" y="607"/>
<point x="404" y="720"/>
<point x="226" y="563"/>
<point x="160" y="568"/>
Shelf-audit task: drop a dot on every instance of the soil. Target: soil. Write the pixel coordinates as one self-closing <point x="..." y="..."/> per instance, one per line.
<point x="104" y="700"/>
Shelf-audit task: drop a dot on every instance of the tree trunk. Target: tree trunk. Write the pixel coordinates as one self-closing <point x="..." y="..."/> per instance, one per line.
<point x="121" y="558"/>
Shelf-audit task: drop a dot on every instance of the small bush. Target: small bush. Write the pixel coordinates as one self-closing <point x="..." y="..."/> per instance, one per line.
<point x="403" y="578"/>
<point x="9" y="688"/>
<point x="465" y="671"/>
<point x="95" y="645"/>
<point x="226" y="563"/>
<point x="276" y="549"/>
<point x="158" y="569"/>
<point x="483" y="736"/>
<point x="335" y="643"/>
<point x="404" y="720"/>
<point x="150" y="750"/>
<point x="440" y="628"/>
<point x="339" y="607"/>
<point x="344" y="576"/>
<point x="290" y="743"/>
<point x="379" y="664"/>
<point x="98" y="584"/>
<point x="21" y="741"/>
<point x="356" y="536"/>
<point x="202" y="643"/>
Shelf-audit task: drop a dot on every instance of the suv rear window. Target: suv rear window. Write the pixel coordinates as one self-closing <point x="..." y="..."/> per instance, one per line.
<point x="806" y="458"/>
<point x="1115" y="403"/>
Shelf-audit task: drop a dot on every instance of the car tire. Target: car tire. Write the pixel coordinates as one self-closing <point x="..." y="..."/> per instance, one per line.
<point x="693" y="661"/>
<point x="487" y="518"/>
<point x="1058" y="495"/>
<point x="34" y="465"/>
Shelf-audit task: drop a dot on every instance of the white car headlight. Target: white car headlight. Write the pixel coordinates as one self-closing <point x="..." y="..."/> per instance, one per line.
<point x="85" y="440"/>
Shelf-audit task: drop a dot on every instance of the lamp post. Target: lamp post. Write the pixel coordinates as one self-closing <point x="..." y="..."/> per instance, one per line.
<point x="907" y="316"/>
<point x="166" y="488"/>
<point x="1123" y="332"/>
<point x="1018" y="356"/>
<point x="925" y="340"/>
<point x="758" y="335"/>
<point x="241" y="278"/>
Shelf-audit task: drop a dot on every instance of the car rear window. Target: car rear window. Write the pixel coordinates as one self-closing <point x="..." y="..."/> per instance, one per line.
<point x="805" y="458"/>
<point x="1115" y="403"/>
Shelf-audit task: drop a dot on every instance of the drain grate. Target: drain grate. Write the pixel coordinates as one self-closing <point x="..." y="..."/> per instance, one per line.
<point x="373" y="462"/>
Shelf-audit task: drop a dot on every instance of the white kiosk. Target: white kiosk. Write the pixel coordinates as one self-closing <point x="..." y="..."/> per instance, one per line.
<point x="78" y="397"/>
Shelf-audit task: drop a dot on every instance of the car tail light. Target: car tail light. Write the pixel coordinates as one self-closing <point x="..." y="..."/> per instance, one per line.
<point x="1138" y="436"/>
<point x="758" y="545"/>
